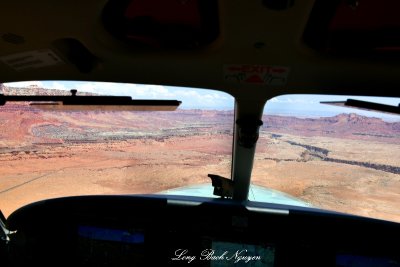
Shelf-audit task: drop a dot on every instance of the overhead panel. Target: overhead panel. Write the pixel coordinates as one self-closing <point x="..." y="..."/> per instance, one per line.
<point x="163" y="24"/>
<point x="355" y="28"/>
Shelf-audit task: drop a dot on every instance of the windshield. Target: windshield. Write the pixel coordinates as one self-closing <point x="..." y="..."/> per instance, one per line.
<point x="47" y="154"/>
<point x="335" y="158"/>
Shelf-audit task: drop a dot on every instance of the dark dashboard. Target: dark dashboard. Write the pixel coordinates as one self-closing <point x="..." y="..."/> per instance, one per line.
<point x="189" y="231"/>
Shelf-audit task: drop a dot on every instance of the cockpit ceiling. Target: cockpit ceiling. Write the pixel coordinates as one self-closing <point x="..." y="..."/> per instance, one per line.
<point x="259" y="34"/>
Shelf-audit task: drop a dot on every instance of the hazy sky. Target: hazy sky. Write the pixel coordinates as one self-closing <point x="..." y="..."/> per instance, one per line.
<point x="310" y="106"/>
<point x="294" y="105"/>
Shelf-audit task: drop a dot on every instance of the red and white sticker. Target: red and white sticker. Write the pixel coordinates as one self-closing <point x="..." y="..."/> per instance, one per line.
<point x="31" y="60"/>
<point x="256" y="74"/>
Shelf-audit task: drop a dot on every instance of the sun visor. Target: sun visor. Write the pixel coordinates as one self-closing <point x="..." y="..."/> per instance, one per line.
<point x="355" y="27"/>
<point x="184" y="24"/>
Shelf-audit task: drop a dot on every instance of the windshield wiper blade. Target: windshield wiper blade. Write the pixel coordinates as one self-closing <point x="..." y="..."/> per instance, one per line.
<point x="74" y="102"/>
<point x="365" y="105"/>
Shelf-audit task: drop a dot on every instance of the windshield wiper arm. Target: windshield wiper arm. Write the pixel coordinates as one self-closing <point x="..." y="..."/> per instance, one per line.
<point x="365" y="105"/>
<point x="74" y="102"/>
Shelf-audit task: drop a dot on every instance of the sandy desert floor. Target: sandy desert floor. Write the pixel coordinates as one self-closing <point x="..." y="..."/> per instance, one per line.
<point x="290" y="164"/>
<point x="128" y="167"/>
<point x="365" y="181"/>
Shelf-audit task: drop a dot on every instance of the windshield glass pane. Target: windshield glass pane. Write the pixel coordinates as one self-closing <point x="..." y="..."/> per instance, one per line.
<point x="335" y="158"/>
<point x="47" y="154"/>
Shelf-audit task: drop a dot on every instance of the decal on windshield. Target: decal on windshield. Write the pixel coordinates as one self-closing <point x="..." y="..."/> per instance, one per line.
<point x="256" y="74"/>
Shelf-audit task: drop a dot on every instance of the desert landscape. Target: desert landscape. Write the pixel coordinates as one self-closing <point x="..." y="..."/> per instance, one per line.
<point x="347" y="163"/>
